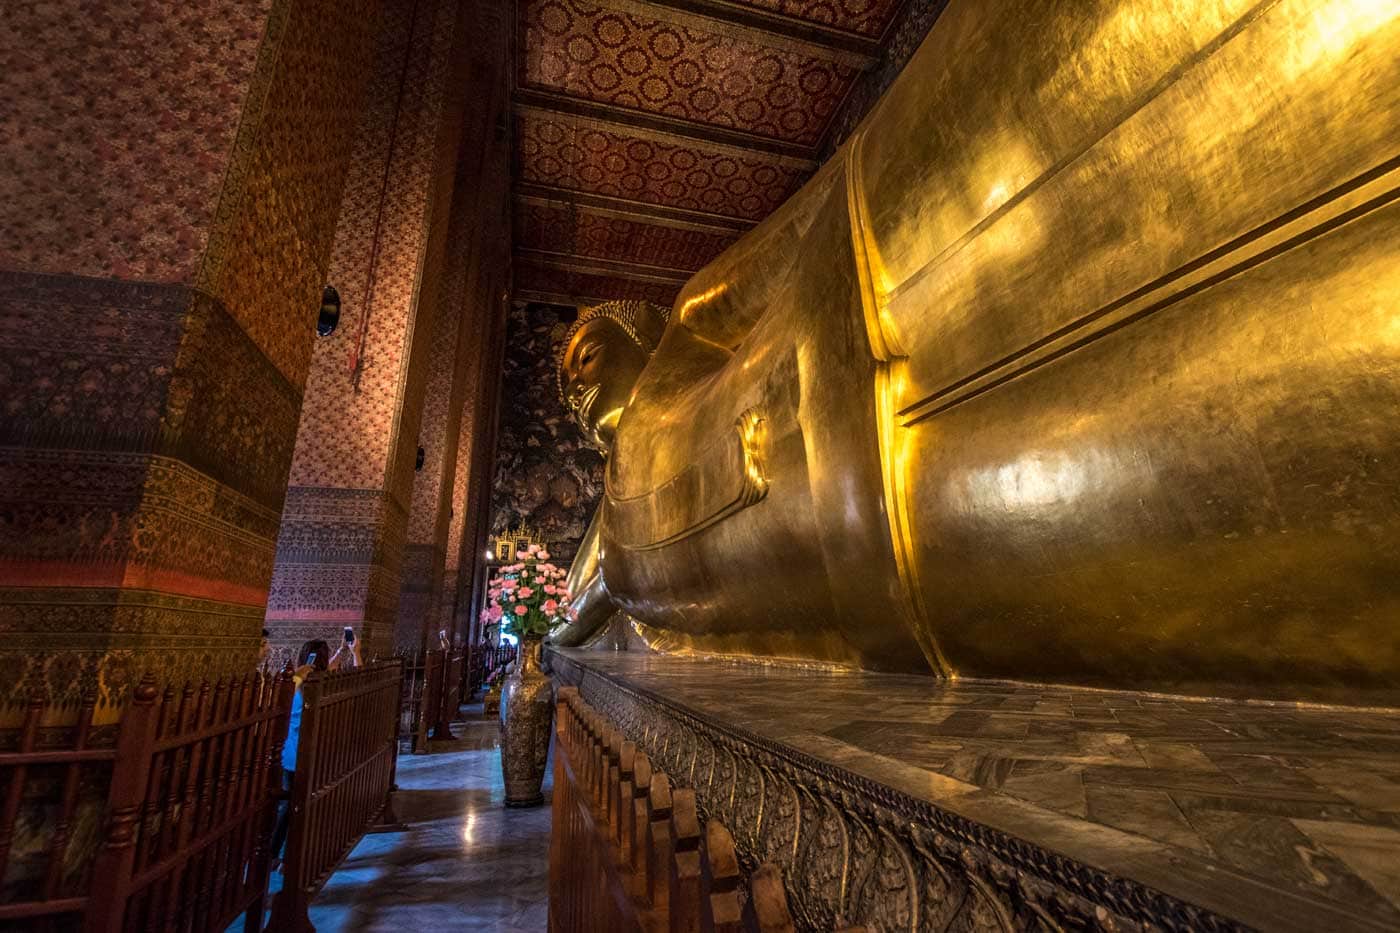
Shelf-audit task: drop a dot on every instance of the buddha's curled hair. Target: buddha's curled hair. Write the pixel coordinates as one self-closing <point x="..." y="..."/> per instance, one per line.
<point x="643" y="321"/>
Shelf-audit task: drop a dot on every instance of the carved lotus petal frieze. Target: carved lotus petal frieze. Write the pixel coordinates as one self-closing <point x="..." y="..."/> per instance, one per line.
<point x="748" y="803"/>
<point x="722" y="789"/>
<point x="704" y="767"/>
<point x="818" y="879"/>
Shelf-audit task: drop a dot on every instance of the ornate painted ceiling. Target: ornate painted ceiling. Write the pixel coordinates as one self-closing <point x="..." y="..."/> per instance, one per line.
<point x="650" y="134"/>
<point x="648" y="137"/>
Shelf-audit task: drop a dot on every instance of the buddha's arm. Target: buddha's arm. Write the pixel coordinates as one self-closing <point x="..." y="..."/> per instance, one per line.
<point x="723" y="303"/>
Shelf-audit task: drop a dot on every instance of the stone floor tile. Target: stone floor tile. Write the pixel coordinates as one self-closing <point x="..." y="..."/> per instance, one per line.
<point x="1175" y="756"/>
<point x="1054" y="785"/>
<point x="1291" y="857"/>
<point x="464" y="863"/>
<point x="1369" y="851"/>
<point x="1372" y="791"/>
<point x="1145" y="811"/>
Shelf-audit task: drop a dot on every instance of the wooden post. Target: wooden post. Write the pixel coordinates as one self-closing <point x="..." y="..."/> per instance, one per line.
<point x="613" y="781"/>
<point x="659" y="842"/>
<point x="684" y="905"/>
<point x="431" y="701"/>
<point x="272" y="782"/>
<point x="598" y="766"/>
<point x="112" y="870"/>
<point x="561" y="812"/>
<point x="767" y="910"/>
<point x="622" y="830"/>
<point x="389" y="821"/>
<point x="289" y="906"/>
<point x="448" y="691"/>
<point x="637" y="826"/>
<point x="719" y="881"/>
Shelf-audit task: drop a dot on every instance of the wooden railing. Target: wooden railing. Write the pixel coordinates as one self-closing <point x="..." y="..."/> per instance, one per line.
<point x="45" y="894"/>
<point x="628" y="851"/>
<point x="191" y="787"/>
<point x="486" y="662"/>
<point x="450" y="695"/>
<point x="345" y="771"/>
<point x="413" y="698"/>
<point x="430" y="698"/>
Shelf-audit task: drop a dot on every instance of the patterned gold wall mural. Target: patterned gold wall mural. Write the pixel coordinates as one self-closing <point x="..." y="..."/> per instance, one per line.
<point x="545" y="477"/>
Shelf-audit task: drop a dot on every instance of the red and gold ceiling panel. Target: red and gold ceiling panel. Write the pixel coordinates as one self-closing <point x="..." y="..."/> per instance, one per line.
<point x="580" y="232"/>
<point x="609" y="56"/>
<point x="692" y="176"/>
<point x="649" y="134"/>
<point x="540" y="281"/>
<point x="863" y="17"/>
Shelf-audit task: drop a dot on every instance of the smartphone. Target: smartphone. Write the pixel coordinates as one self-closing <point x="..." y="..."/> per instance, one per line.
<point x="311" y="659"/>
<point x="349" y="635"/>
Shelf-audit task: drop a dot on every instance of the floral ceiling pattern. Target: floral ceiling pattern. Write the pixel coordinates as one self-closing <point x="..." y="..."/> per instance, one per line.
<point x="589" y="51"/>
<point x="658" y="131"/>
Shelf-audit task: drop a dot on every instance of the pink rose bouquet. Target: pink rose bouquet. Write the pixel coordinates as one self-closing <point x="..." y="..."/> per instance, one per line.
<point x="523" y="610"/>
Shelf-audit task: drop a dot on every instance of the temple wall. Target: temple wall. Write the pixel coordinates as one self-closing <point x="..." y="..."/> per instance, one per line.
<point x="467" y="302"/>
<point x="478" y="429"/>
<point x="165" y="227"/>
<point x="341" y="544"/>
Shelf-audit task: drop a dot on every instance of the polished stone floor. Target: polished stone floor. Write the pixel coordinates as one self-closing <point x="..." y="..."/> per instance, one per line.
<point x="1280" y="812"/>
<point x="465" y="862"/>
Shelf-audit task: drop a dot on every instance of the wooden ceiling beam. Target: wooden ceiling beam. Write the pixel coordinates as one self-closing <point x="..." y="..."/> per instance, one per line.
<point x="528" y="295"/>
<point x="625" y="209"/>
<point x="640" y="123"/>
<point x="761" y="27"/>
<point x="588" y="265"/>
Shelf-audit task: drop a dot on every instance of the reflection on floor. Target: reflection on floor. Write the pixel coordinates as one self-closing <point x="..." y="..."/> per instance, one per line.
<point x="465" y="863"/>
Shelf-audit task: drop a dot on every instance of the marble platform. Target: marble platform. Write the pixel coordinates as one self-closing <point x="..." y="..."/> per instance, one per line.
<point x="1087" y="806"/>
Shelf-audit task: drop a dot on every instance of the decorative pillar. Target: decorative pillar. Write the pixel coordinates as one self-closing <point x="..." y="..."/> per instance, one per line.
<point x="477" y="239"/>
<point x="170" y="174"/>
<point x="476" y="457"/>
<point x="340" y="548"/>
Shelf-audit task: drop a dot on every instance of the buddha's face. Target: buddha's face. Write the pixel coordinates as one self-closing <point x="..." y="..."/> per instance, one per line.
<point x="600" y="366"/>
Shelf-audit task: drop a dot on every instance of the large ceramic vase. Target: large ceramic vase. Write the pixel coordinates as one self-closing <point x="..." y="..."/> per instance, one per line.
<point x="527" y="715"/>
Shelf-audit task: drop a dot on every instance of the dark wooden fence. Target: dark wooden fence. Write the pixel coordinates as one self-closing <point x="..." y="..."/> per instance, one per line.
<point x="431" y="697"/>
<point x="413" y="724"/>
<point x="629" y="853"/>
<point x="69" y="757"/>
<point x="345" y="771"/>
<point x="486" y="662"/>
<point x="191" y="793"/>
<point x="450" y="696"/>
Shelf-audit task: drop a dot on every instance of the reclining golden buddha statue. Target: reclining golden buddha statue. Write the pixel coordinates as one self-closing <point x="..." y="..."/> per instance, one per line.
<point x="1079" y="362"/>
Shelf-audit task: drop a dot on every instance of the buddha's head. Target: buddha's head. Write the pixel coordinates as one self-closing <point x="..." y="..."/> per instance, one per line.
<point x="603" y="355"/>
